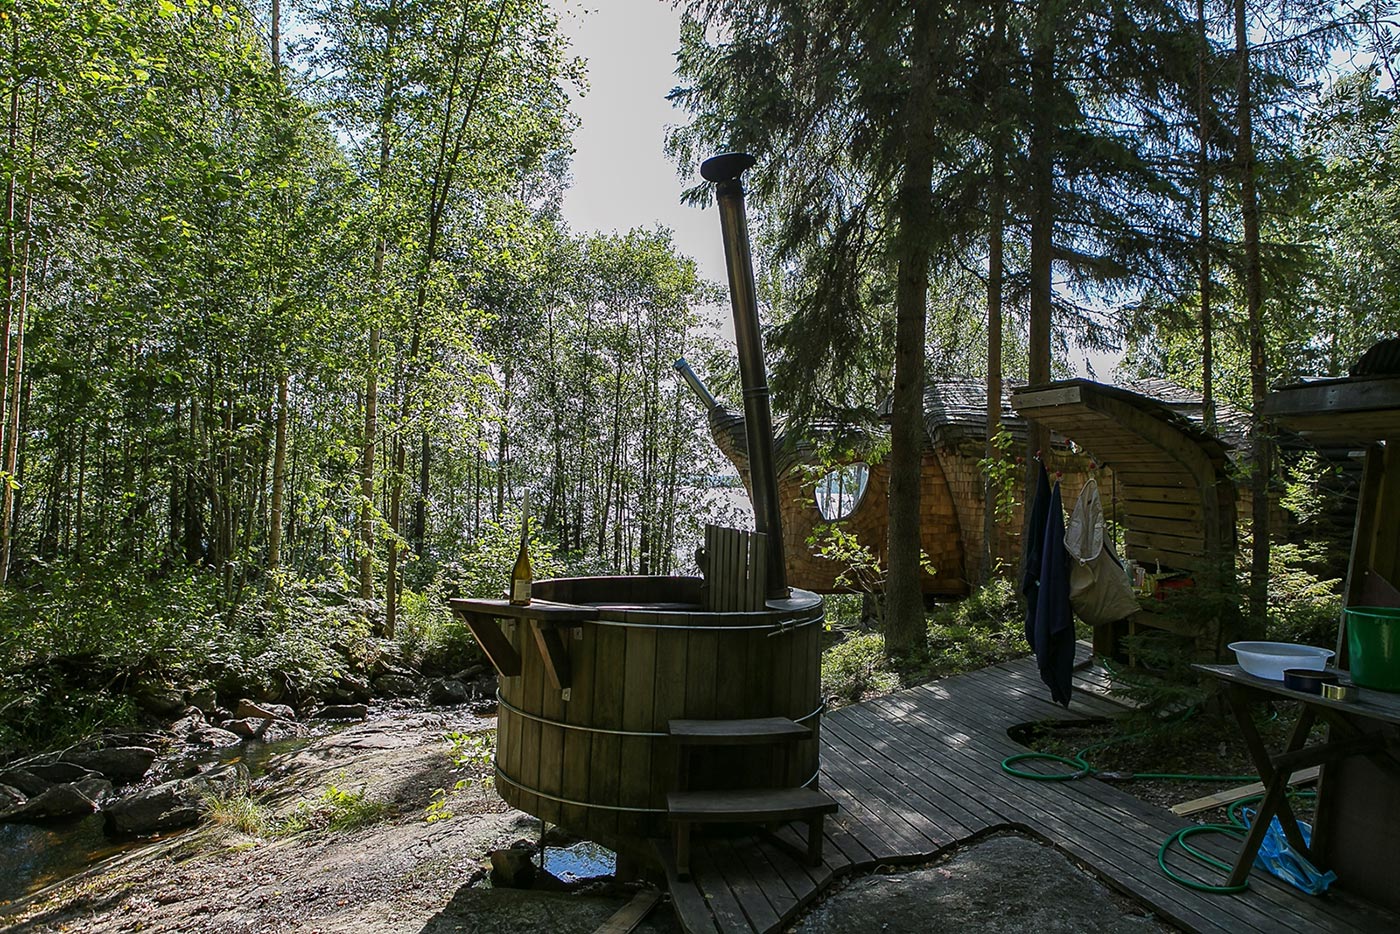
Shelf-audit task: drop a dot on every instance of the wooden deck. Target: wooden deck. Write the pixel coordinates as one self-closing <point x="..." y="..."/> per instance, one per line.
<point x="919" y="772"/>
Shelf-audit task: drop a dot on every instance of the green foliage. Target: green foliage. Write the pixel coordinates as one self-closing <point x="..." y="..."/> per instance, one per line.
<point x="335" y="809"/>
<point x="473" y="754"/>
<point x="1302" y="608"/>
<point x="983" y="629"/>
<point x="860" y="568"/>
<point x="483" y="569"/>
<point x="78" y="637"/>
<point x="856" y="668"/>
<point x="431" y="638"/>
<point x="1004" y="473"/>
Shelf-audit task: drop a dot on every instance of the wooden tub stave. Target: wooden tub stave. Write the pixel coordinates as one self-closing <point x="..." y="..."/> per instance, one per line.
<point x="600" y="764"/>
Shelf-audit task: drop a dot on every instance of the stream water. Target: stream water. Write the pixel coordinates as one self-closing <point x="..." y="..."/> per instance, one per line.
<point x="33" y="856"/>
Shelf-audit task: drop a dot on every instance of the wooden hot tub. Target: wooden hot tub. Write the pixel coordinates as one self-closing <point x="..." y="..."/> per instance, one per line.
<point x="593" y="670"/>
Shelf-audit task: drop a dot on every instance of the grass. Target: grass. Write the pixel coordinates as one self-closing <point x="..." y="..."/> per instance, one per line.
<point x="335" y="809"/>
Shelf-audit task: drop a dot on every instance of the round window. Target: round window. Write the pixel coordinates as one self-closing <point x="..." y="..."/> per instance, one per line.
<point x="839" y="492"/>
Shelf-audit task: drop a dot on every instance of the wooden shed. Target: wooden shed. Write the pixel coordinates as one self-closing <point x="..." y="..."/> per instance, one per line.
<point x="1177" y="502"/>
<point x="1360" y="413"/>
<point x="853" y="489"/>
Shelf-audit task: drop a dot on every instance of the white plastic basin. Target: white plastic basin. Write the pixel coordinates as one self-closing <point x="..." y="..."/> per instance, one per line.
<point x="1269" y="659"/>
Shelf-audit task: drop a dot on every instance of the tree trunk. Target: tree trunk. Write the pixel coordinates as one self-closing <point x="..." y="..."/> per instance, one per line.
<point x="1042" y="178"/>
<point x="279" y="474"/>
<point x="904" y="621"/>
<point x="12" y="433"/>
<point x="371" y="422"/>
<point x="1254" y="303"/>
<point x="1203" y="129"/>
<point x="995" y="275"/>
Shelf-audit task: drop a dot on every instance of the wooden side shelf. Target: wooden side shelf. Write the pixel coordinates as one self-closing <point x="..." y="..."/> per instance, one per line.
<point x="737" y="732"/>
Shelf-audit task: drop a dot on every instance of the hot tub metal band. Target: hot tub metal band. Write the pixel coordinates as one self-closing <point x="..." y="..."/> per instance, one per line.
<point x="779" y="628"/>
<point x="821" y="709"/>
<point x="502" y="776"/>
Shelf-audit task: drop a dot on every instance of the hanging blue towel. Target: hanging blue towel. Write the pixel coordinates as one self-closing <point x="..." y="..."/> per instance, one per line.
<point x="1032" y="549"/>
<point x="1054" y="617"/>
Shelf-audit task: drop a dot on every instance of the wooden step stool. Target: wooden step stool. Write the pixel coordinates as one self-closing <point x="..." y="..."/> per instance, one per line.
<point x="686" y="807"/>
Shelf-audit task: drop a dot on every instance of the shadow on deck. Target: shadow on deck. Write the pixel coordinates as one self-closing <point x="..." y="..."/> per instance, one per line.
<point x="919" y="772"/>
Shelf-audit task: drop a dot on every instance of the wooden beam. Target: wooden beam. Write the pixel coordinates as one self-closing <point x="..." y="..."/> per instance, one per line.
<point x="494" y="643"/>
<point x="1224" y="798"/>
<point x="555" y="656"/>
<point x="631" y="914"/>
<point x="1025" y="401"/>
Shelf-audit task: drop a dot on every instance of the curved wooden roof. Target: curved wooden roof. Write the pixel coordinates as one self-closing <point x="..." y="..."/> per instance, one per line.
<point x="1173" y="487"/>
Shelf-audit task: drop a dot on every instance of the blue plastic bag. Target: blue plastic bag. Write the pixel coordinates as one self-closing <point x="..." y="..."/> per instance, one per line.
<point x="1280" y="859"/>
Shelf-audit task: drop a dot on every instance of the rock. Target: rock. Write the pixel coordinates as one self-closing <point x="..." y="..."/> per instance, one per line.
<point x="342" y="712"/>
<point x="60" y="801"/>
<point x="486" y="707"/>
<point x="119" y="763"/>
<point x="192" y="720"/>
<point x="247" y="709"/>
<point x="248" y="727"/>
<point x="267" y="731"/>
<point x="25" y="781"/>
<point x="446" y="692"/>
<point x="204" y="699"/>
<point x="10" y="799"/>
<point x="60" y="772"/>
<point x="350" y="688"/>
<point x="214" y="737"/>
<point x="160" y="701"/>
<point x="172" y="805"/>
<point x="469" y="673"/>
<point x="396" y="685"/>
<point x="513" y="868"/>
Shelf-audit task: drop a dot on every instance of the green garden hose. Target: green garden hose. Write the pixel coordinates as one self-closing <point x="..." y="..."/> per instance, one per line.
<point x="1082" y="768"/>
<point x="1237" y="827"/>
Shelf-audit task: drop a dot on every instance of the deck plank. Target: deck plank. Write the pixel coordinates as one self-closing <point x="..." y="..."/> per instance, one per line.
<point x="919" y="771"/>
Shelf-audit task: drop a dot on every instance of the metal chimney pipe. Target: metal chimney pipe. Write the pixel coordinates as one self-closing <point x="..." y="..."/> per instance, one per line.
<point x="696" y="385"/>
<point x="724" y="170"/>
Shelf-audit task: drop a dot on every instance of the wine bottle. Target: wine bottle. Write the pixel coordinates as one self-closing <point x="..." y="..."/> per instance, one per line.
<point x="521" y="577"/>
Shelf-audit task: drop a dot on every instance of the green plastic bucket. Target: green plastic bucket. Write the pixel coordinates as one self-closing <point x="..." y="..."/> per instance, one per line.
<point x="1373" y="641"/>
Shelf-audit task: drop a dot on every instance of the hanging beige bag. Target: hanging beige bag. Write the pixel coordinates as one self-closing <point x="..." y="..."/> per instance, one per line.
<point x="1099" y="589"/>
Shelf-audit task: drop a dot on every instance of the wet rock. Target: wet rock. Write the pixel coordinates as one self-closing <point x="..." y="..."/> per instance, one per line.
<point x="250" y="709"/>
<point x="396" y="685"/>
<point x="173" y="805"/>
<point x="248" y="728"/>
<point x="60" y="801"/>
<point x="446" y="692"/>
<point x="267" y="731"/>
<point x="213" y="737"/>
<point x="192" y="720"/>
<point x="58" y="772"/>
<point x="342" y="712"/>
<point x="24" y="781"/>
<point x="513" y="868"/>
<point x="119" y="763"/>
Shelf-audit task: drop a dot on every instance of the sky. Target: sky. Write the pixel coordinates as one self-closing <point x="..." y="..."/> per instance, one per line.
<point x="621" y="176"/>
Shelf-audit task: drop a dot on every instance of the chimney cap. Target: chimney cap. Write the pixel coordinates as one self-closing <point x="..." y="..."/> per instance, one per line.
<point x="726" y="166"/>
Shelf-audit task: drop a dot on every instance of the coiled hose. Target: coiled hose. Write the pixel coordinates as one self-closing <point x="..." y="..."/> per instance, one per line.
<point x="1081" y="767"/>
